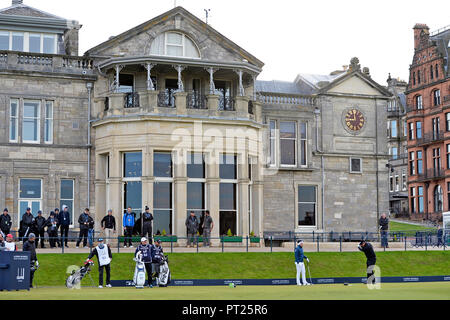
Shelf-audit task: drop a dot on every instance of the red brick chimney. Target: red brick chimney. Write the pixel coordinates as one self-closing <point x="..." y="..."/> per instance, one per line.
<point x="421" y="34"/>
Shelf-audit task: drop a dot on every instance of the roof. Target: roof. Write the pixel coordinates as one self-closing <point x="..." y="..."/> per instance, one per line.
<point x="27" y="11"/>
<point x="442" y="40"/>
<point x="280" y="87"/>
<point x="314" y="79"/>
<point x="402" y="98"/>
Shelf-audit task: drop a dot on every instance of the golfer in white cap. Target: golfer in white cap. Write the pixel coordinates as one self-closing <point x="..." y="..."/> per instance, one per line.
<point x="300" y="265"/>
<point x="146" y="250"/>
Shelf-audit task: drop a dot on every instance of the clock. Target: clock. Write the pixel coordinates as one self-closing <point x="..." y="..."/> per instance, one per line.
<point x="354" y="120"/>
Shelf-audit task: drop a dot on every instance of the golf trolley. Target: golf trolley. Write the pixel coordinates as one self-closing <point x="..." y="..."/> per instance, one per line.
<point x="74" y="280"/>
<point x="163" y="277"/>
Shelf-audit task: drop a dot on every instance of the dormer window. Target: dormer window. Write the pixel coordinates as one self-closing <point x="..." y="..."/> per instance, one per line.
<point x="28" y="42"/>
<point x="174" y="44"/>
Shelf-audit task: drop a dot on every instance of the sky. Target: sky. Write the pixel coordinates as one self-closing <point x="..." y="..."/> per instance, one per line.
<point x="289" y="36"/>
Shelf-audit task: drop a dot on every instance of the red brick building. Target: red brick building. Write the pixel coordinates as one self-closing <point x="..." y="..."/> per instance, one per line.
<point x="428" y="125"/>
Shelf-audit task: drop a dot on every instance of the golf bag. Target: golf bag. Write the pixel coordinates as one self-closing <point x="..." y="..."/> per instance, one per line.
<point x="139" y="272"/>
<point x="75" y="278"/>
<point x="163" y="277"/>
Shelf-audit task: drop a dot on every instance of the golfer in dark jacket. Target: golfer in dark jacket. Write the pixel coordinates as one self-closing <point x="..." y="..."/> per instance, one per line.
<point x="192" y="228"/>
<point x="146" y="251"/>
<point x="5" y="222"/>
<point x="85" y="220"/>
<point x="65" y="222"/>
<point x="30" y="247"/>
<point x="384" y="228"/>
<point x="371" y="258"/>
<point x="39" y="227"/>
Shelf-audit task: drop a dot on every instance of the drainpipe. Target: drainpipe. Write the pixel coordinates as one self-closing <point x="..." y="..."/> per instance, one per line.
<point x="89" y="86"/>
<point x="317" y="113"/>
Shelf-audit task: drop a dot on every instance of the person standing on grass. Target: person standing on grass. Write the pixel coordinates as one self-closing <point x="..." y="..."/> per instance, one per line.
<point x="129" y="219"/>
<point x="208" y="225"/>
<point x="384" y="228"/>
<point x="157" y="257"/>
<point x="108" y="225"/>
<point x="104" y="257"/>
<point x="146" y="250"/>
<point x="440" y="236"/>
<point x="192" y="228"/>
<point x="299" y="263"/>
<point x="30" y="247"/>
<point x="367" y="248"/>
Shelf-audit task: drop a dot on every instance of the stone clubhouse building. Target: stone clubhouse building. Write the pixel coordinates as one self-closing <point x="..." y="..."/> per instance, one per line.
<point x="170" y="115"/>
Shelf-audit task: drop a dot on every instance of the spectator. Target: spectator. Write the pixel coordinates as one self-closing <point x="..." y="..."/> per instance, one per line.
<point x="104" y="256"/>
<point x="84" y="220"/>
<point x="208" y="225"/>
<point x="52" y="230"/>
<point x="146" y="251"/>
<point x="10" y="245"/>
<point x="5" y="222"/>
<point x="64" y="222"/>
<point x="147" y="219"/>
<point x="108" y="224"/>
<point x="128" y="224"/>
<point x="440" y="236"/>
<point x="192" y="228"/>
<point x="157" y="257"/>
<point x="27" y="224"/>
<point x="384" y="227"/>
<point x="30" y="247"/>
<point x="2" y="240"/>
<point x="39" y="227"/>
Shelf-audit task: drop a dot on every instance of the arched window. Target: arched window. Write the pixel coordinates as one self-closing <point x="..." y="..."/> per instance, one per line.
<point x="419" y="102"/>
<point x="436" y="97"/>
<point x="438" y="199"/>
<point x="174" y="44"/>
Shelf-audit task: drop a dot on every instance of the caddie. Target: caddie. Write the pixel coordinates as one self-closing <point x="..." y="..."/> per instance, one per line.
<point x="104" y="256"/>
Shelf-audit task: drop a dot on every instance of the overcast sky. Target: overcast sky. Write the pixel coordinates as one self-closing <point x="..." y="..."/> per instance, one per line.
<point x="289" y="36"/>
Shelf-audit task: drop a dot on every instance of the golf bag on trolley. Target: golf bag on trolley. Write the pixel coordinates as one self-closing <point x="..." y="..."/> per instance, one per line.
<point x="76" y="276"/>
<point x="139" y="272"/>
<point x="163" y="276"/>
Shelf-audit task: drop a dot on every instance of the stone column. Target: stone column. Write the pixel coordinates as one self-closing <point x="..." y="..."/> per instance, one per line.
<point x="180" y="195"/>
<point x="180" y="102"/>
<point x="116" y="101"/>
<point x="213" y="191"/>
<point x="257" y="111"/>
<point x="258" y="208"/>
<point x="213" y="104"/>
<point x="242" y="106"/>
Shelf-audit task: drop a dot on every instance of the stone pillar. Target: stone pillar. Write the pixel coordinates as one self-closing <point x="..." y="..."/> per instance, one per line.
<point x="257" y="111"/>
<point x="152" y="101"/>
<point x="180" y="102"/>
<point x="242" y="106"/>
<point x="213" y="104"/>
<point x="180" y="195"/>
<point x="116" y="101"/>
<point x="258" y="209"/>
<point x="213" y="192"/>
<point x="100" y="202"/>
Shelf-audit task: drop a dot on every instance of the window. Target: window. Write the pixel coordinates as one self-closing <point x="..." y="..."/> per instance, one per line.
<point x="307" y="205"/>
<point x="447" y="121"/>
<point x="13" y="120"/>
<point x="163" y="192"/>
<point x="49" y="44"/>
<point x="17" y="41"/>
<point x="272" y="143"/>
<point x="436" y="128"/>
<point x="394" y="152"/>
<point x="412" y="168"/>
<point x="418" y="77"/>
<point x="30" y="196"/>
<point x="448" y="195"/>
<point x="196" y="186"/>
<point x="397" y="183"/>
<point x="174" y="44"/>
<point x="414" y="78"/>
<point x="448" y="156"/>
<point x="228" y="194"/>
<point x="288" y="142"/>
<point x="431" y="73"/>
<point x="405" y="129"/>
<point x="411" y="131"/>
<point x="66" y="196"/>
<point x="438" y="199"/>
<point x="404" y="180"/>
<point x="437" y="71"/>
<point x="355" y="165"/>
<point x="437" y="159"/>
<point x="34" y="42"/>
<point x="303" y="144"/>
<point x="48" y="135"/>
<point x="419" y="130"/>
<point x="413" y="200"/>
<point x="4" y="40"/>
<point x="419" y="103"/>
<point x="31" y="121"/>
<point x="436" y="97"/>
<point x="28" y="42"/>
<point x="132" y="182"/>
<point x="391" y="184"/>
<point x="162" y="165"/>
<point x="420" y="199"/>
<point x="419" y="162"/>
<point x="394" y="133"/>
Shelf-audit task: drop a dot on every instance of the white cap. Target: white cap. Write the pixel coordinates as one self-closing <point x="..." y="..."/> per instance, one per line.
<point x="299" y="242"/>
<point x="143" y="239"/>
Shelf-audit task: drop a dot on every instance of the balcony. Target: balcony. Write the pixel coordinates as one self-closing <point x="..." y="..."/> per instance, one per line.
<point x="131" y="100"/>
<point x="432" y="174"/>
<point x="196" y="100"/>
<point x="414" y="109"/>
<point x="429" y="138"/>
<point x="39" y="62"/>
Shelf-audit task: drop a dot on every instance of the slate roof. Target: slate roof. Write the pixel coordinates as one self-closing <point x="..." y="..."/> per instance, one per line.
<point x="27" y="11"/>
<point x="442" y="40"/>
<point x="281" y="87"/>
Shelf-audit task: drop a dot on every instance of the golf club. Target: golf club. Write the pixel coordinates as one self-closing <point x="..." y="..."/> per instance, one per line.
<point x="310" y="280"/>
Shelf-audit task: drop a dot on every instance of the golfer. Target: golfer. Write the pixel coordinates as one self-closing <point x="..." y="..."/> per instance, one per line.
<point x="371" y="258"/>
<point x="104" y="257"/>
<point x="146" y="251"/>
<point x="300" y="265"/>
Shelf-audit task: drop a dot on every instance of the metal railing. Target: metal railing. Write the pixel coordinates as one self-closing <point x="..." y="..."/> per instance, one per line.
<point x="433" y="173"/>
<point x="196" y="100"/>
<point x="166" y="98"/>
<point x="226" y="103"/>
<point x="132" y="100"/>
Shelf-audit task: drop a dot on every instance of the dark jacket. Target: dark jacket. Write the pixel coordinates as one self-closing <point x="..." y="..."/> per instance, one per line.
<point x="146" y="252"/>
<point x="192" y="224"/>
<point x="27" y="220"/>
<point x="51" y="224"/>
<point x="147" y="218"/>
<point x="384" y="223"/>
<point x="299" y="255"/>
<point x="368" y="251"/>
<point x="64" y="218"/>
<point x="157" y="253"/>
<point x="5" y="222"/>
<point x="40" y="223"/>
<point x="95" y="253"/>
<point x="109" y="222"/>
<point x="30" y="246"/>
<point x="85" y="221"/>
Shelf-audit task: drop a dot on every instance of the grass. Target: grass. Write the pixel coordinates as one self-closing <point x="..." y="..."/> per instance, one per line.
<point x="255" y="265"/>
<point x="409" y="229"/>
<point x="388" y="291"/>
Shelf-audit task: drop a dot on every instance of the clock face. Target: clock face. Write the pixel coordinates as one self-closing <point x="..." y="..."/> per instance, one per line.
<point x="354" y="120"/>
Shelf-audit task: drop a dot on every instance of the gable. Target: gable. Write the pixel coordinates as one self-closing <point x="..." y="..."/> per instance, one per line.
<point x="354" y="85"/>
<point x="138" y="41"/>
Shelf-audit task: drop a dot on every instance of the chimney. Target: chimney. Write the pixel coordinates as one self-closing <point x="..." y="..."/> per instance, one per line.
<point x="421" y="34"/>
<point x="17" y="2"/>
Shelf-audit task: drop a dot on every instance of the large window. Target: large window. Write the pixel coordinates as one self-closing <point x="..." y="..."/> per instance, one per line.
<point x="420" y="202"/>
<point x="307" y="205"/>
<point x="411" y="131"/>
<point x="228" y="194"/>
<point x="419" y="104"/>
<point x="48" y="135"/>
<point x="419" y="130"/>
<point x="196" y="186"/>
<point x="28" y="42"/>
<point x="412" y="167"/>
<point x="303" y="143"/>
<point x="413" y="200"/>
<point x="14" y="120"/>
<point x="288" y="143"/>
<point x="67" y="196"/>
<point x="393" y="129"/>
<point x="447" y="121"/>
<point x="438" y="199"/>
<point x="273" y="143"/>
<point x="448" y="156"/>
<point x="132" y="182"/>
<point x="163" y="192"/>
<point x="31" y="121"/>
<point x="30" y="196"/>
<point x="419" y="162"/>
<point x="174" y="44"/>
<point x="436" y="97"/>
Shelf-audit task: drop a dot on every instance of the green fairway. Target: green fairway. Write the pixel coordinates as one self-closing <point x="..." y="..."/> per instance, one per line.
<point x="408" y="228"/>
<point x="388" y="291"/>
<point x="255" y="265"/>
